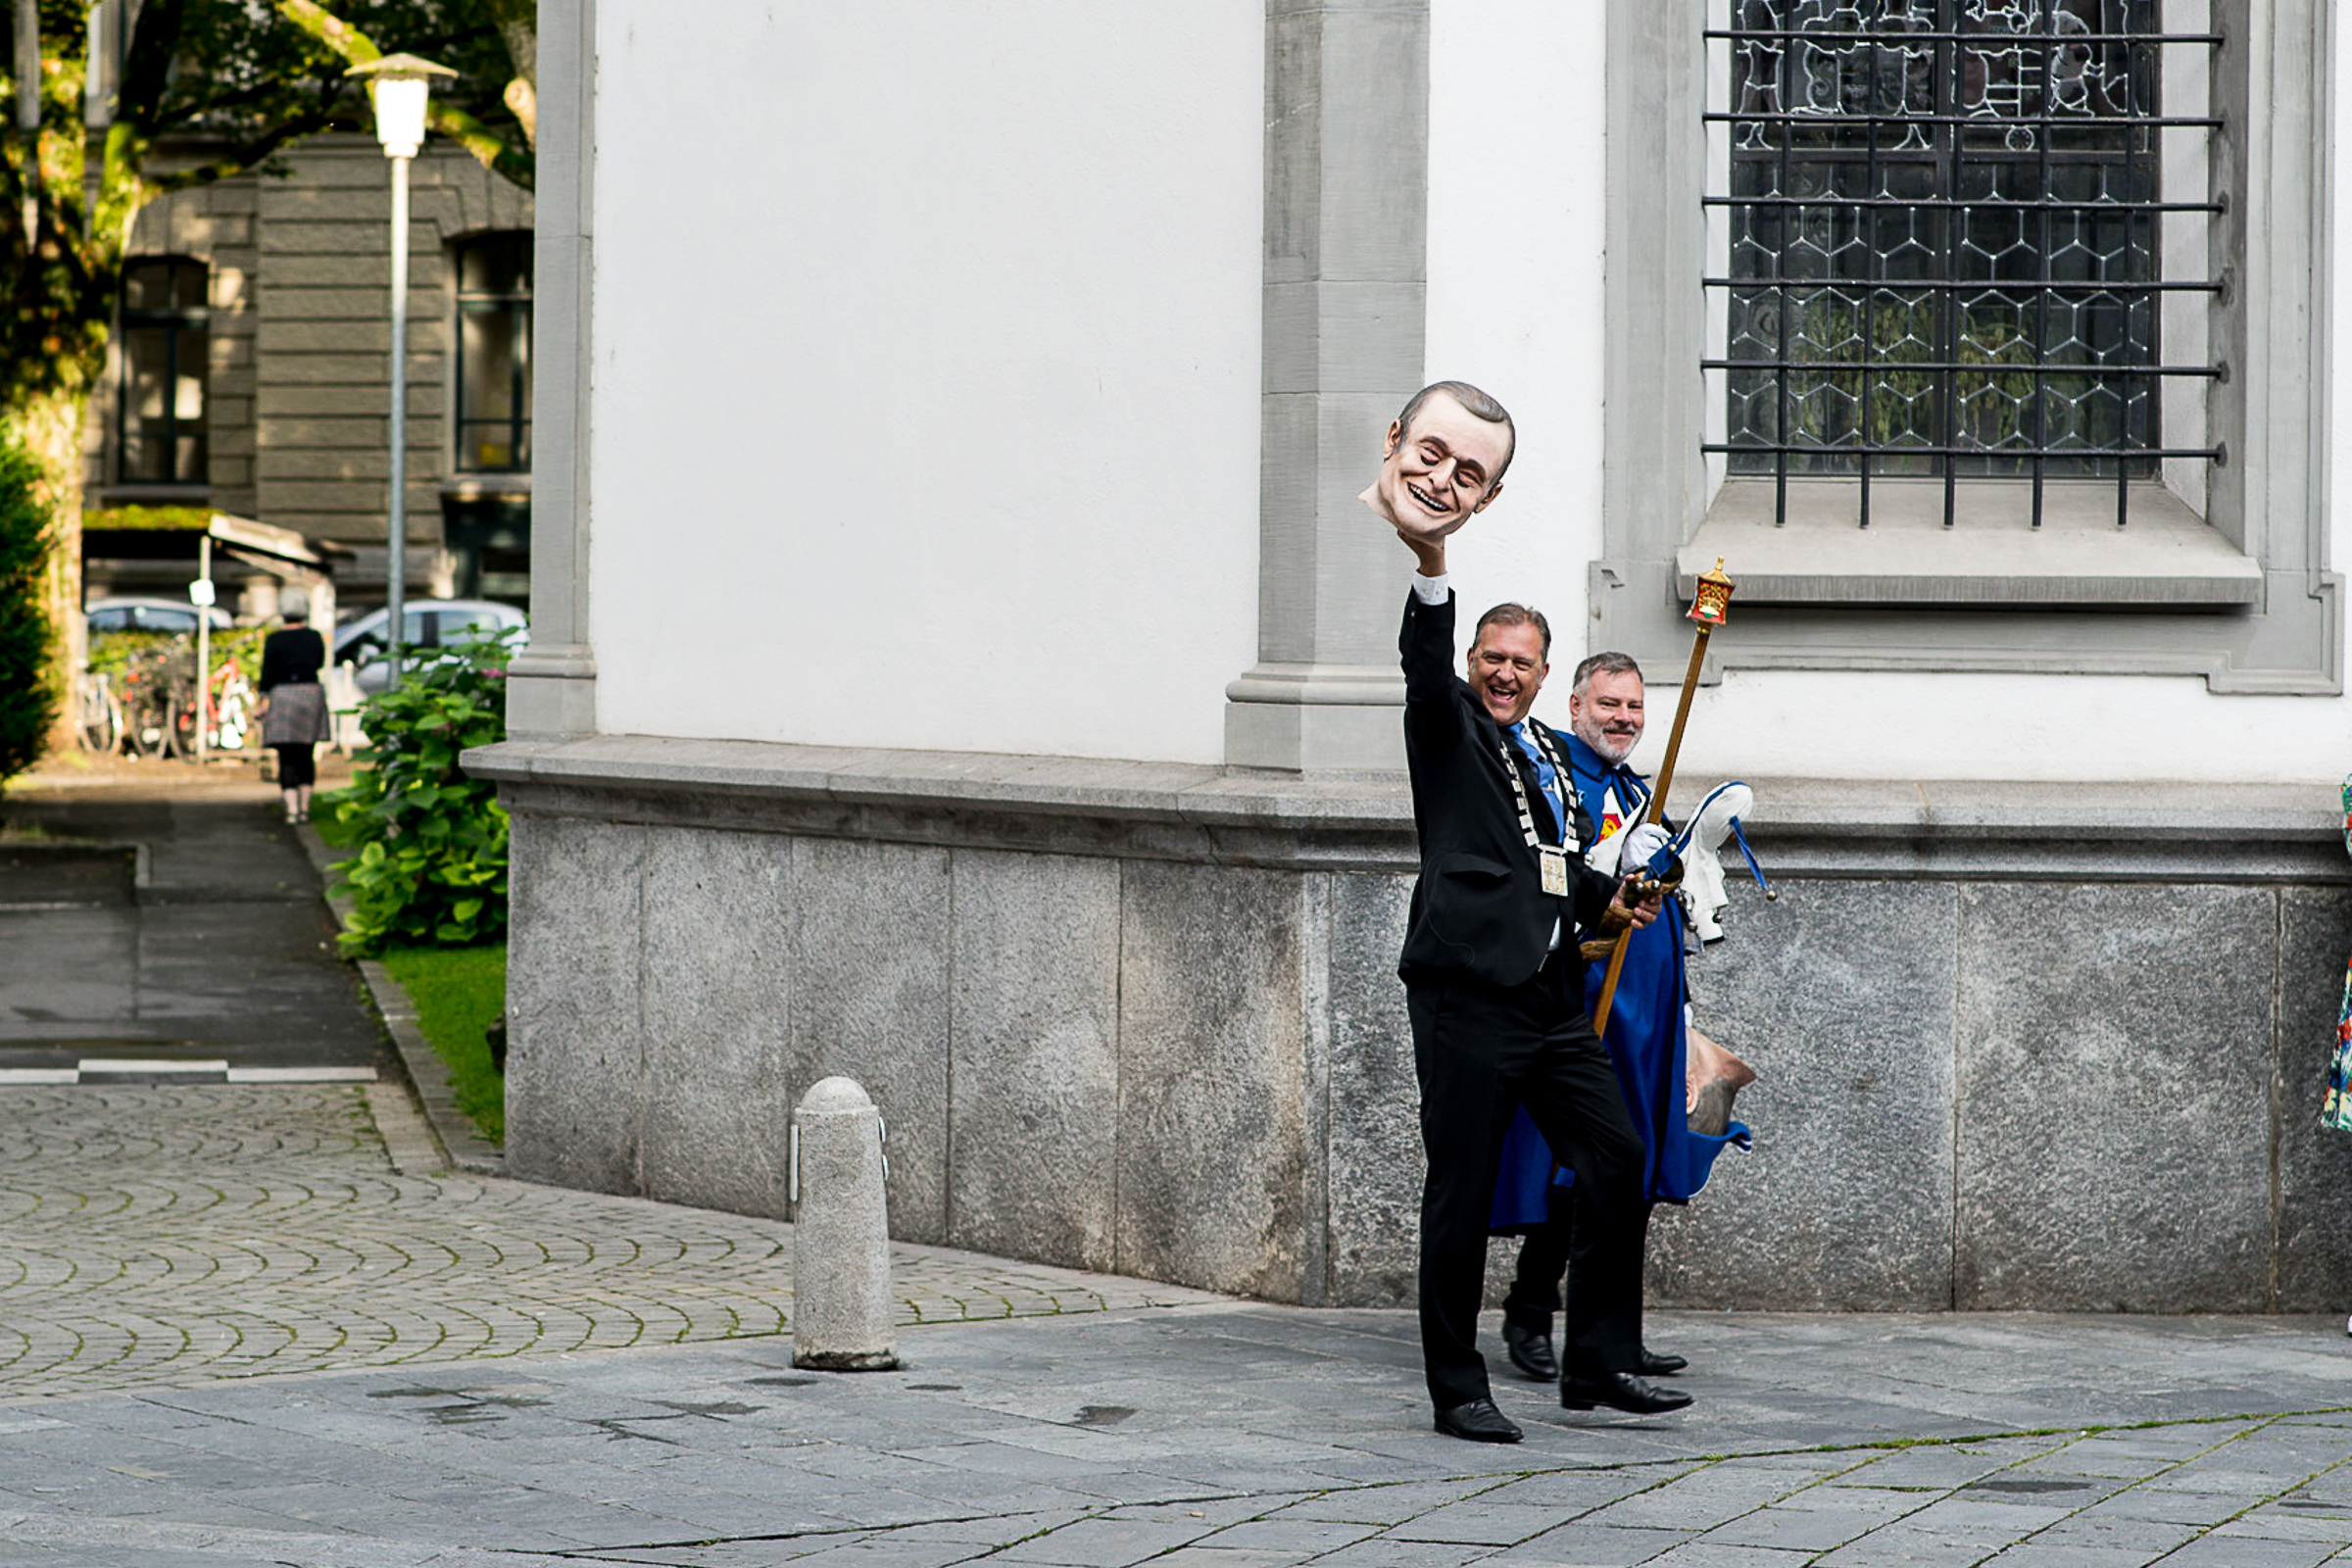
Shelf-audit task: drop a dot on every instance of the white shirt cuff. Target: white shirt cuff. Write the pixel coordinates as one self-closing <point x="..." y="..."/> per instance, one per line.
<point x="1432" y="590"/>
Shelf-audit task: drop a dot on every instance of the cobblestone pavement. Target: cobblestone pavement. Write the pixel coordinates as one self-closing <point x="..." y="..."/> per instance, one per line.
<point x="162" y="1234"/>
<point x="494" y="1375"/>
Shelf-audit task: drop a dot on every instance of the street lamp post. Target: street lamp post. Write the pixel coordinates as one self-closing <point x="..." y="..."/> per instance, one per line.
<point x="401" y="86"/>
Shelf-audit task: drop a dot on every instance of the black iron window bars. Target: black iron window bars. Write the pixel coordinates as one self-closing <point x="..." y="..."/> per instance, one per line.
<point x="1945" y="228"/>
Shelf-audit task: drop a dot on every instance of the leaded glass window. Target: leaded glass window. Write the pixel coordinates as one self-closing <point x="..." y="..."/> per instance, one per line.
<point x="1946" y="233"/>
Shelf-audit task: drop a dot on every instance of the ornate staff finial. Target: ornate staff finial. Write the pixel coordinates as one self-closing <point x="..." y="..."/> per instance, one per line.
<point x="1712" y="601"/>
<point x="1708" y="607"/>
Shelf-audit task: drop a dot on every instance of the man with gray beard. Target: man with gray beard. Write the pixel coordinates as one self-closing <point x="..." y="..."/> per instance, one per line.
<point x="1647" y="1037"/>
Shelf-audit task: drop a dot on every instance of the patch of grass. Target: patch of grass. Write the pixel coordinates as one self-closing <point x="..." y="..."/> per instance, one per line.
<point x="456" y="993"/>
<point x="172" y="520"/>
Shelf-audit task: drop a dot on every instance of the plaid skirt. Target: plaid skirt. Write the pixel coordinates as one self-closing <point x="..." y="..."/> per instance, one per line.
<point x="297" y="715"/>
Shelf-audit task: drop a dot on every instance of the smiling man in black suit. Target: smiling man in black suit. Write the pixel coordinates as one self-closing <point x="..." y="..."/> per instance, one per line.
<point x="1492" y="981"/>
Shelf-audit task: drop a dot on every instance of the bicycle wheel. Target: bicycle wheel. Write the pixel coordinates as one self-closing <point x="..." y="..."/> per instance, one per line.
<point x="179" y="735"/>
<point x="147" y="729"/>
<point x="98" y="724"/>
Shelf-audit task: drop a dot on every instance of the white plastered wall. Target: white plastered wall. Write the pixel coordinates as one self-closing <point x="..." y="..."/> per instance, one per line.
<point x="1515" y="221"/>
<point x="927" y="372"/>
<point x="1516" y="303"/>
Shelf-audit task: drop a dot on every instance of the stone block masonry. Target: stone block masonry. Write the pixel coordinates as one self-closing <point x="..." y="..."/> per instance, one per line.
<point x="300" y="324"/>
<point x="2023" y="1048"/>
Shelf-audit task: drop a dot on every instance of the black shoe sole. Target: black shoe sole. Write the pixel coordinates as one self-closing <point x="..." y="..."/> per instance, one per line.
<point x="1570" y="1402"/>
<point x="1481" y="1437"/>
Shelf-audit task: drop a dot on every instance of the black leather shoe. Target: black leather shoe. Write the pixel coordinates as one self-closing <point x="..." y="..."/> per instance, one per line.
<point x="1531" y="1352"/>
<point x="1620" y="1391"/>
<point x="1655" y="1365"/>
<point x="1479" y="1421"/>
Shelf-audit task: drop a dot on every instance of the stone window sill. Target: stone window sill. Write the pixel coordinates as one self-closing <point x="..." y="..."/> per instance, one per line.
<point x="2167" y="557"/>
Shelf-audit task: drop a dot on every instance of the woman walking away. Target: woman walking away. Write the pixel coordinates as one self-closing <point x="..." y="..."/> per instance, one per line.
<point x="295" y="720"/>
<point x="2335" y="1111"/>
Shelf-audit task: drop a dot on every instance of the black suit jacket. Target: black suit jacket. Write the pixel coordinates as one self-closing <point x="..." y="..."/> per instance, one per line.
<point x="1479" y="910"/>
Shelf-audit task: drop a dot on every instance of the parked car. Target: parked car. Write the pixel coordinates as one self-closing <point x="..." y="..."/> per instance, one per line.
<point x="149" y="614"/>
<point x="427" y="624"/>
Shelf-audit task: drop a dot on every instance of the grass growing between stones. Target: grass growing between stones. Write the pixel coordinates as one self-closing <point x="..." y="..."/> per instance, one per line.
<point x="456" y="993"/>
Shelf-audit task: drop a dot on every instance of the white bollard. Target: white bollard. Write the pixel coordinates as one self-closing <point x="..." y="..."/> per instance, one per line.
<point x="841" y="1303"/>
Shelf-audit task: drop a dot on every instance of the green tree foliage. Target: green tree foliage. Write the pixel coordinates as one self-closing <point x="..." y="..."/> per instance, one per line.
<point x="222" y="84"/>
<point x="29" y="697"/>
<point x="195" y="92"/>
<point x="432" y="863"/>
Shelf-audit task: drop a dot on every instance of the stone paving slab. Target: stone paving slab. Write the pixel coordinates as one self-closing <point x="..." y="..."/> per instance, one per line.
<point x="216" y="946"/>
<point x="236" y="1327"/>
<point x="1122" y="1438"/>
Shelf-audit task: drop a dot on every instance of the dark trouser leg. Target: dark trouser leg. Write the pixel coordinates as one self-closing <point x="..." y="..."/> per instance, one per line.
<point x="1457" y="1034"/>
<point x="1585" y="1263"/>
<point x="1543" y="1258"/>
<point x="1571" y="1093"/>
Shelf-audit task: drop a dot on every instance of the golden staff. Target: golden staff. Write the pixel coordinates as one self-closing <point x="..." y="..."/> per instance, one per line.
<point x="1707" y="607"/>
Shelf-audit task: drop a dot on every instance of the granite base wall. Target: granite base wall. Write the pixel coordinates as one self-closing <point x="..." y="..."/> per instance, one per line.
<point x="1165" y="1037"/>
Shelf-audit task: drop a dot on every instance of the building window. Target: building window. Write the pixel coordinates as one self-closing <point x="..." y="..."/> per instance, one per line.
<point x="167" y="342"/>
<point x="1947" y="228"/>
<point x="494" y="354"/>
<point x="2223" y="572"/>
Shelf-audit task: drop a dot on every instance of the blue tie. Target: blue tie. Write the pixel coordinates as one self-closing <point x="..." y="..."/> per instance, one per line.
<point x="1548" y="778"/>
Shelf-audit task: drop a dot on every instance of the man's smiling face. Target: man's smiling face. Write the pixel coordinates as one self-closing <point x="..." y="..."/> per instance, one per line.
<point x="1508" y="669"/>
<point x="1442" y="470"/>
<point x="1605" y="713"/>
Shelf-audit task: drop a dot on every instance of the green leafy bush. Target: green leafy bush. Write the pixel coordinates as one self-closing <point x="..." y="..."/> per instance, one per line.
<point x="28" y="692"/>
<point x="111" y="651"/>
<point x="431" y="870"/>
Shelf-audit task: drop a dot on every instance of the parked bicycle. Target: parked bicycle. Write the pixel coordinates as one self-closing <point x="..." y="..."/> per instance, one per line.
<point x="148" y="707"/>
<point x="97" y="714"/>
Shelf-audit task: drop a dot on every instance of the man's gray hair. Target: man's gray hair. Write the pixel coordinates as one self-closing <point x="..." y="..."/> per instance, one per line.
<point x="1473" y="401"/>
<point x="1609" y="663"/>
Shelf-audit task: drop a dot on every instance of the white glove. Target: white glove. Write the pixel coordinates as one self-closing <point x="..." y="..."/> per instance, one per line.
<point x="1642" y="840"/>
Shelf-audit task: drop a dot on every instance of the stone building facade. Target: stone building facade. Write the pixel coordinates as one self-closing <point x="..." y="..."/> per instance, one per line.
<point x="249" y="371"/>
<point x="1002" y="706"/>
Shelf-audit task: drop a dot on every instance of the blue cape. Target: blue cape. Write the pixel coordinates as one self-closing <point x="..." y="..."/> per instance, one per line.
<point x="1648" y="1047"/>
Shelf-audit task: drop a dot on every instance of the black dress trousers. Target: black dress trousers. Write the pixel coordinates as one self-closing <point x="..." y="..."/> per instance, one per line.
<point x="1481" y="1051"/>
<point x="1562" y="1245"/>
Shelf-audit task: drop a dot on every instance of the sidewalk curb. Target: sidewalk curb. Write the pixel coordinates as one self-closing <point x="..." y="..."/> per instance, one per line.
<point x="461" y="1147"/>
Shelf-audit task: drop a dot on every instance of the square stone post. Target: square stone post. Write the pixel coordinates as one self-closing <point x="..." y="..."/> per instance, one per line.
<point x="551" y="687"/>
<point x="1347" y="170"/>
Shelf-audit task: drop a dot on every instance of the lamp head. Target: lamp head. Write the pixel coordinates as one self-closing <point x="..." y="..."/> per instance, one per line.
<point x="1711" y="604"/>
<point x="400" y="86"/>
